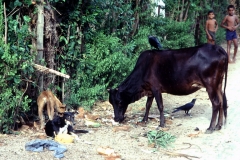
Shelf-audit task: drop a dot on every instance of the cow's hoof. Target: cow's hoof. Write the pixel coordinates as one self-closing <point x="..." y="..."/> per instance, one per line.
<point x="160" y="127"/>
<point x="218" y="127"/>
<point x="209" y="131"/>
<point x="142" y="123"/>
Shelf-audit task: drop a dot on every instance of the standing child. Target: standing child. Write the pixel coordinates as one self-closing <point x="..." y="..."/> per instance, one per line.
<point x="211" y="28"/>
<point x="232" y="23"/>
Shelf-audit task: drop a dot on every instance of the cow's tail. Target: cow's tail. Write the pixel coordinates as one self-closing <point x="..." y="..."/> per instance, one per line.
<point x="224" y="89"/>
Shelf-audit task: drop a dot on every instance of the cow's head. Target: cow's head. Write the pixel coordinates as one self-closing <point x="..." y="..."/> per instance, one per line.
<point x="118" y="104"/>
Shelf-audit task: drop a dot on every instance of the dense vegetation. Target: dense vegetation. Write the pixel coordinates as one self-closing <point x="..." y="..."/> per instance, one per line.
<point x="96" y="42"/>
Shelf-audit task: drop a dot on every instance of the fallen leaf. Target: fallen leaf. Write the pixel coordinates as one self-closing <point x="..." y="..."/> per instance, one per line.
<point x="164" y="129"/>
<point x="81" y="113"/>
<point x="91" y="117"/>
<point x="41" y="136"/>
<point x="105" y="151"/>
<point x="168" y="121"/>
<point x="121" y="128"/>
<point x="142" y="124"/>
<point x="112" y="158"/>
<point x="2" y="144"/>
<point x="152" y="145"/>
<point x="108" y="153"/>
<point x="24" y="128"/>
<point x="194" y="135"/>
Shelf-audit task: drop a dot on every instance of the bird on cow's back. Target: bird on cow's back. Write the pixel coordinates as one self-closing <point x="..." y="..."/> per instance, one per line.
<point x="154" y="42"/>
<point x="187" y="107"/>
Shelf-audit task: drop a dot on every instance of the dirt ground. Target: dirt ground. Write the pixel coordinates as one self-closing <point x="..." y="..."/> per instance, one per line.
<point x="131" y="144"/>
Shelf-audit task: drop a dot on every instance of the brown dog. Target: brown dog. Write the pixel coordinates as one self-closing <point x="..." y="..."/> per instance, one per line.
<point x="46" y="98"/>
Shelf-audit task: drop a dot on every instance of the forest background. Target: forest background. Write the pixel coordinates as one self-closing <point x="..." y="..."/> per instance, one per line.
<point x="96" y="42"/>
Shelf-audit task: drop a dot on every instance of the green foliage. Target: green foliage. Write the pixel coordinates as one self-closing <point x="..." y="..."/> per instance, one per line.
<point x="178" y="35"/>
<point x="14" y="67"/>
<point x="112" y="17"/>
<point x="172" y="34"/>
<point x="141" y="39"/>
<point x="160" y="138"/>
<point x="102" y="64"/>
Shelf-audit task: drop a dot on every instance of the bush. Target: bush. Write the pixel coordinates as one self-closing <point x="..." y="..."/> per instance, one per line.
<point x="105" y="64"/>
<point x="15" y="66"/>
<point x="178" y="34"/>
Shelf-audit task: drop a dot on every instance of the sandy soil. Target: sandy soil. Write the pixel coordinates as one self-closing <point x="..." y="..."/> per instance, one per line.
<point x="133" y="145"/>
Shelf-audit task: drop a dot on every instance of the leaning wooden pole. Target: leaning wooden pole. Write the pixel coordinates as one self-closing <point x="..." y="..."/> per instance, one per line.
<point x="49" y="70"/>
<point x="40" y="35"/>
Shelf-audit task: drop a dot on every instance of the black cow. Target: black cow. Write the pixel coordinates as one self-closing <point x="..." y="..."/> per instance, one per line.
<point x="177" y="72"/>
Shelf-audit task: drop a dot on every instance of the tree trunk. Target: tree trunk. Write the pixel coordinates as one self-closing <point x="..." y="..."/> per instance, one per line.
<point x="181" y="11"/>
<point x="51" y="42"/>
<point x="197" y="28"/>
<point x="136" y="21"/>
<point x="40" y="28"/>
<point x="186" y="11"/>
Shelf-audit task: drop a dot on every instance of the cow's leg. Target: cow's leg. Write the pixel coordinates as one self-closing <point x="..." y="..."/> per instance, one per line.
<point x="216" y="105"/>
<point x="158" y="97"/>
<point x="148" y="106"/>
<point x="220" y="116"/>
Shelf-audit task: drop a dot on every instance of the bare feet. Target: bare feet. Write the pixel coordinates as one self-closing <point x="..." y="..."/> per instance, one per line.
<point x="234" y="59"/>
<point x="230" y="61"/>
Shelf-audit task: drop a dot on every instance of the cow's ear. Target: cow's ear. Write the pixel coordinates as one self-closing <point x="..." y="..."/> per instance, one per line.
<point x="108" y="90"/>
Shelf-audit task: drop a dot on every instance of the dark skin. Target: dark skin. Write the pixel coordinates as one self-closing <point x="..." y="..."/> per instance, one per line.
<point x="231" y="22"/>
<point x="211" y="25"/>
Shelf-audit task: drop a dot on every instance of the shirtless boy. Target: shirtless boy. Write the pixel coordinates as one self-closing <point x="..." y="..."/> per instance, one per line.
<point x="211" y="28"/>
<point x="231" y="23"/>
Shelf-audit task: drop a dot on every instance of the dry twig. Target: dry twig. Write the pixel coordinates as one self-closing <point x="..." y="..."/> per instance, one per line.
<point x="179" y="154"/>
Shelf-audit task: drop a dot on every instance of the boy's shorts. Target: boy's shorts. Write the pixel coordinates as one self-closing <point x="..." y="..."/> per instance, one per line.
<point x="230" y="35"/>
<point x="212" y="34"/>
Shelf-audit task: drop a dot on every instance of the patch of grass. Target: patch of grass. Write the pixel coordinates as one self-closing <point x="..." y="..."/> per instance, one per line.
<point x="159" y="138"/>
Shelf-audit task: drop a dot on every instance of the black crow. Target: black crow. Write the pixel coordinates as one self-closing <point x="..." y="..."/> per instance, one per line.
<point x="185" y="107"/>
<point x="154" y="42"/>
